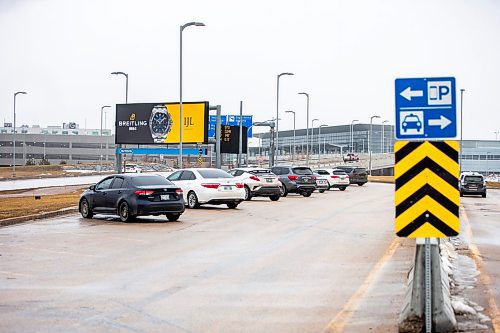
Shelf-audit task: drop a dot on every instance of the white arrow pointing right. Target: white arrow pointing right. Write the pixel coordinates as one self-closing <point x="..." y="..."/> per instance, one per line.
<point x="442" y="121"/>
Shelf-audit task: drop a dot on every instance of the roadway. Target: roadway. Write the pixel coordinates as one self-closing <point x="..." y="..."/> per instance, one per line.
<point x="297" y="265"/>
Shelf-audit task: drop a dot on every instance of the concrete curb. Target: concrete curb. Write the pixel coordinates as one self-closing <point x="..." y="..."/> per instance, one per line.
<point x="411" y="318"/>
<point x="21" y="219"/>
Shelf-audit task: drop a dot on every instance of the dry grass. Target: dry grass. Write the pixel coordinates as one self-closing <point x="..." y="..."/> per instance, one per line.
<point x="22" y="206"/>
<point x="32" y="171"/>
<point x="381" y="179"/>
<point x="493" y="184"/>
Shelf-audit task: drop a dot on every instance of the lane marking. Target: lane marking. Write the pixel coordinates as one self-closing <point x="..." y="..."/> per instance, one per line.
<point x="484" y="277"/>
<point x="338" y="323"/>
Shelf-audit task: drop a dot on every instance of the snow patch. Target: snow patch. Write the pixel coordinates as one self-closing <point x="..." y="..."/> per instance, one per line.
<point x="460" y="307"/>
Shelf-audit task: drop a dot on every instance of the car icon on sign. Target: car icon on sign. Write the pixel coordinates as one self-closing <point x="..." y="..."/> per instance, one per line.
<point x="412" y="121"/>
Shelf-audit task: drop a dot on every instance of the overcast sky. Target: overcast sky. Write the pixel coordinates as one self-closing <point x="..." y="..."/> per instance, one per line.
<point x="345" y="54"/>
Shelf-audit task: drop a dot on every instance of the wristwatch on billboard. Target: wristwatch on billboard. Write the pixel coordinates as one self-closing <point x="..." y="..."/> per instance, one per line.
<point x="160" y="123"/>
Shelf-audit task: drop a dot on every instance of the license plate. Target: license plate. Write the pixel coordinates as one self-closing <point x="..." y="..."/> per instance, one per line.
<point x="164" y="197"/>
<point x="227" y="188"/>
<point x="269" y="180"/>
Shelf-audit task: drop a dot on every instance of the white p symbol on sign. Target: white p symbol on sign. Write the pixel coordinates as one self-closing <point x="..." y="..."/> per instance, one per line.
<point x="439" y="92"/>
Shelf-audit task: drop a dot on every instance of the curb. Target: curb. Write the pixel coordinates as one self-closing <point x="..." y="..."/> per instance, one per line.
<point x="33" y="217"/>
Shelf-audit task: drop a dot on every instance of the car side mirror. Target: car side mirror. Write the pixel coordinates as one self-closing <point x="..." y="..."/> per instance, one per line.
<point x="92" y="187"/>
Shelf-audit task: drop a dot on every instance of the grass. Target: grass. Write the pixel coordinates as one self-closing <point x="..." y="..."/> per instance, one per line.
<point x="22" y="206"/>
<point x="31" y="171"/>
<point x="381" y="179"/>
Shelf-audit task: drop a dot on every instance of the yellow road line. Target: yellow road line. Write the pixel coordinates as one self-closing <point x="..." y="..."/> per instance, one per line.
<point x="483" y="276"/>
<point x="338" y="323"/>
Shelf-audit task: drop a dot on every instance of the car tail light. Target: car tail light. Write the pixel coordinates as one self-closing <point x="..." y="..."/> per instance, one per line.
<point x="211" y="185"/>
<point x="144" y="192"/>
<point x="315" y="178"/>
<point x="334" y="176"/>
<point x="239" y="185"/>
<point x="179" y="191"/>
<point x="292" y="177"/>
<point x="347" y="176"/>
<point x="255" y="178"/>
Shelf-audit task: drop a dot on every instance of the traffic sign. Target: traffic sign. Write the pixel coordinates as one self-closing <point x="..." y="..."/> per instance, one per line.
<point x="426" y="109"/>
<point x="231" y="120"/>
<point x="427" y="196"/>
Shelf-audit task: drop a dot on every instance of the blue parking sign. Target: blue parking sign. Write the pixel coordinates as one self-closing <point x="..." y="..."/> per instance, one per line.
<point x="426" y="109"/>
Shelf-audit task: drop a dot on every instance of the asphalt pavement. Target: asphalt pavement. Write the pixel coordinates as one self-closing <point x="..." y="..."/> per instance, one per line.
<point x="328" y="263"/>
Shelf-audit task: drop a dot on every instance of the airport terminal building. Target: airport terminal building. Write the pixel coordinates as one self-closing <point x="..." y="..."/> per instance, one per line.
<point x="74" y="145"/>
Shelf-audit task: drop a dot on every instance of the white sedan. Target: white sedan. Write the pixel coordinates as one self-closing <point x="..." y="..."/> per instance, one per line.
<point x="208" y="186"/>
<point x="336" y="178"/>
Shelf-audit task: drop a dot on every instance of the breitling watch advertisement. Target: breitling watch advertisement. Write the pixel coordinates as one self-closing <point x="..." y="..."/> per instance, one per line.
<point x="158" y="123"/>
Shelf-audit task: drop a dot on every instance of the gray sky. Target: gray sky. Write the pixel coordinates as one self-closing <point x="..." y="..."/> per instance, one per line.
<point x="345" y="54"/>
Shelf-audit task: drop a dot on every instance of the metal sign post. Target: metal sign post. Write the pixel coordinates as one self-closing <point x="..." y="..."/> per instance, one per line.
<point x="428" y="287"/>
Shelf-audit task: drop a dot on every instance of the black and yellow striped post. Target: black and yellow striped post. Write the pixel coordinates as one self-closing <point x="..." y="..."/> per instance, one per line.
<point x="427" y="198"/>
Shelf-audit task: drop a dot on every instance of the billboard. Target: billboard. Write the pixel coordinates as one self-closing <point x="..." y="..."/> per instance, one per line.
<point x="230" y="139"/>
<point x="232" y="120"/>
<point x="158" y="123"/>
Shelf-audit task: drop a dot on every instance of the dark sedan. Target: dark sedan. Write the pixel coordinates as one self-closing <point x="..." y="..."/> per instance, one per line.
<point x="130" y="195"/>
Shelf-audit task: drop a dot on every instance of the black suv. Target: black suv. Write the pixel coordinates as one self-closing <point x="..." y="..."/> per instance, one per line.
<point x="299" y="180"/>
<point x="356" y="174"/>
<point x="472" y="183"/>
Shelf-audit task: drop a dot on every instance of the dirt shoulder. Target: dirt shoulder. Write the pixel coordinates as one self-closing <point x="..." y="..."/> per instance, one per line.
<point x="42" y="171"/>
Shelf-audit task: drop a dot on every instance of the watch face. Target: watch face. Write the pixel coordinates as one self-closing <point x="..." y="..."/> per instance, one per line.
<point x="160" y="123"/>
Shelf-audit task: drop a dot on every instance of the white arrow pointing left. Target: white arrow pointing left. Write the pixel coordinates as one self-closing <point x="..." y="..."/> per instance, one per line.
<point x="408" y="93"/>
<point x="442" y="121"/>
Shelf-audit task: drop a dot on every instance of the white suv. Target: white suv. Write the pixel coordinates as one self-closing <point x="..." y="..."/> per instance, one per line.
<point x="259" y="182"/>
<point x="336" y="178"/>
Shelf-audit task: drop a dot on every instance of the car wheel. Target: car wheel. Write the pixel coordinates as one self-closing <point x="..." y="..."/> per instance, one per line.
<point x="361" y="184"/>
<point x="85" y="209"/>
<point x="274" y="197"/>
<point x="173" y="217"/>
<point x="321" y="191"/>
<point x="283" y="191"/>
<point x="248" y="193"/>
<point x="232" y="205"/>
<point x="342" y="188"/>
<point x="306" y="194"/>
<point x="192" y="200"/>
<point x="124" y="212"/>
<point x="461" y="193"/>
<point x="484" y="195"/>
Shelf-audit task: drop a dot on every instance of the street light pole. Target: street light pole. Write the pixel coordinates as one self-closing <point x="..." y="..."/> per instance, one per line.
<point x="382" y="140"/>
<point x="118" y="157"/>
<point x="319" y="143"/>
<point x="307" y="130"/>
<point x="182" y="27"/>
<point x="312" y="134"/>
<point x="370" y="143"/>
<point x="352" y="143"/>
<point x="293" y="151"/>
<point x="100" y="139"/>
<point x="461" y="126"/>
<point x="277" y="109"/>
<point x="14" y="141"/>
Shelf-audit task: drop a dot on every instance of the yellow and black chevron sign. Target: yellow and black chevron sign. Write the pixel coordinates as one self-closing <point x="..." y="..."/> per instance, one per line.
<point x="427" y="196"/>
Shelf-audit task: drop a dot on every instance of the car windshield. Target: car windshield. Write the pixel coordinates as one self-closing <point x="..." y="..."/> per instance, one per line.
<point x="336" y="172"/>
<point x="346" y="169"/>
<point x="150" y="180"/>
<point x="214" y="173"/>
<point x="360" y="170"/>
<point x="474" y="179"/>
<point x="302" y="171"/>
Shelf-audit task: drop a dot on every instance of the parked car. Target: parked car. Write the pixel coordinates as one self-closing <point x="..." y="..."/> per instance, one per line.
<point x="336" y="178"/>
<point x="356" y="174"/>
<point x="295" y="179"/>
<point x="208" y="186"/>
<point x="133" y="195"/>
<point x="133" y="168"/>
<point x="321" y="183"/>
<point x="351" y="157"/>
<point x="259" y="182"/>
<point x="472" y="183"/>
